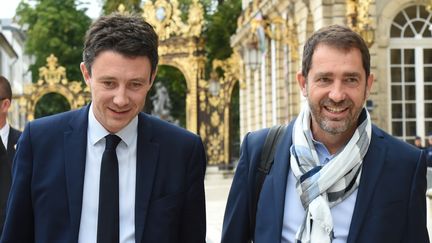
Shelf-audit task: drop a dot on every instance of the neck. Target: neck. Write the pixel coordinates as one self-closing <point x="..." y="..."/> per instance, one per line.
<point x="333" y="142"/>
<point x="2" y="122"/>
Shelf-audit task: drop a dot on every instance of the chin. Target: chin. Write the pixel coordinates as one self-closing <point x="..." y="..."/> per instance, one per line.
<point x="334" y="129"/>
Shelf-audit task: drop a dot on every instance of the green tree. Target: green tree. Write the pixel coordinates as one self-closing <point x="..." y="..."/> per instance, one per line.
<point x="50" y="104"/>
<point x="184" y="8"/>
<point x="56" y="27"/>
<point x="220" y="26"/>
<point x="132" y="6"/>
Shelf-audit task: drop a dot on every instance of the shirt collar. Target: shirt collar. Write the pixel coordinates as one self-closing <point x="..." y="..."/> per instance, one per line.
<point x="5" y="129"/>
<point x="97" y="132"/>
<point x="324" y="155"/>
<point x="4" y="132"/>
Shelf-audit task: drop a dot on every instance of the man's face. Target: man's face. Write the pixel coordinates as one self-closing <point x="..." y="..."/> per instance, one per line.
<point x="119" y="86"/>
<point x="336" y="89"/>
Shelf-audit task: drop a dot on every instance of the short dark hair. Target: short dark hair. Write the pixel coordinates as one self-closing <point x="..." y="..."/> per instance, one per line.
<point x="339" y="37"/>
<point x="5" y="88"/>
<point x="126" y="34"/>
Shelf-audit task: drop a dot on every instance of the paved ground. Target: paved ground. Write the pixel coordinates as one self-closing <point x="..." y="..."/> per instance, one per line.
<point x="217" y="187"/>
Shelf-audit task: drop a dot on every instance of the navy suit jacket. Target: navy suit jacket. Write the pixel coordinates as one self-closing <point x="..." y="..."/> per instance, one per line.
<point x="391" y="198"/>
<point x="48" y="175"/>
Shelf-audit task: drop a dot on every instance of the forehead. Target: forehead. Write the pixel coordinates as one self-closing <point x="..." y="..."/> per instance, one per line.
<point x="331" y="57"/>
<point x="114" y="62"/>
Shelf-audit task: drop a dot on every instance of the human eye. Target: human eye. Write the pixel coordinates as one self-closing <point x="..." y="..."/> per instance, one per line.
<point x="323" y="80"/>
<point x="136" y="84"/>
<point x="108" y="84"/>
<point x="352" y="80"/>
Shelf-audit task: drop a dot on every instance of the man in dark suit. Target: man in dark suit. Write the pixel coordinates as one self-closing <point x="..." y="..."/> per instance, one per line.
<point x="336" y="177"/>
<point x="9" y="138"/>
<point x="107" y="172"/>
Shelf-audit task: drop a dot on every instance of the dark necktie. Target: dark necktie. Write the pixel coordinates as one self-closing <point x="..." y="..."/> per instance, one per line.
<point x="108" y="218"/>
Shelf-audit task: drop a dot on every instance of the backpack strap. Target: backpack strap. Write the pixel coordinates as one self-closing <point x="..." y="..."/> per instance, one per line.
<point x="267" y="158"/>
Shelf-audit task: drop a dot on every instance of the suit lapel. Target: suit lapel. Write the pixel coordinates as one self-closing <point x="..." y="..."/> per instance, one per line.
<point x="372" y="168"/>
<point x="147" y="157"/>
<point x="75" y="144"/>
<point x="279" y="175"/>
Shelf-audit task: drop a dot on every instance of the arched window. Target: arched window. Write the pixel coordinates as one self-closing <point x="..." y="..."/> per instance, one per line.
<point x="411" y="73"/>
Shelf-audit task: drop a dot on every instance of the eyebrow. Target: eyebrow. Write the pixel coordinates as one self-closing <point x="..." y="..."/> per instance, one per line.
<point x="352" y="74"/>
<point x="323" y="74"/>
<point x="345" y="74"/>
<point x="111" y="78"/>
<point x="106" y="78"/>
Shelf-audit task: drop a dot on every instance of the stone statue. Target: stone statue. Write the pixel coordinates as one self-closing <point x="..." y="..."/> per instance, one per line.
<point x="162" y="103"/>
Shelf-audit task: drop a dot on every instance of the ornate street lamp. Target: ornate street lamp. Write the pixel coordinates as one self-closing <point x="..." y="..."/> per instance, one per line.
<point x="252" y="55"/>
<point x="214" y="85"/>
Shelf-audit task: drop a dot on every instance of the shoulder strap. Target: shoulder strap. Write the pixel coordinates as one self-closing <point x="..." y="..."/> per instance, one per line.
<point x="267" y="157"/>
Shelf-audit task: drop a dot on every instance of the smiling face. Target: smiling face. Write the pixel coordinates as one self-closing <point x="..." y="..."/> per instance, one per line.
<point x="119" y="86"/>
<point x="336" y="89"/>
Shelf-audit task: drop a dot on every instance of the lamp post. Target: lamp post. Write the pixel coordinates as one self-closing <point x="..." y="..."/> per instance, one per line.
<point x="252" y="55"/>
<point x="214" y="85"/>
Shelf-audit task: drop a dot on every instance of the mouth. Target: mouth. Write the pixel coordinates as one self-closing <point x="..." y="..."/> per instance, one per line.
<point x="119" y="111"/>
<point x="335" y="110"/>
<point x="336" y="113"/>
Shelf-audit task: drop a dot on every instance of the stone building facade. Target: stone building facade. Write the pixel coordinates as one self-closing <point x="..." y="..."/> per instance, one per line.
<point x="270" y="38"/>
<point x="14" y="65"/>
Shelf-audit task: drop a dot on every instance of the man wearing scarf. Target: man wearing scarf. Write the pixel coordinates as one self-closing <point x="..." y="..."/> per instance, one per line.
<point x="336" y="177"/>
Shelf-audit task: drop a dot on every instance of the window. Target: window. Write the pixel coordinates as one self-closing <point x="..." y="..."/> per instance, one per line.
<point x="410" y="70"/>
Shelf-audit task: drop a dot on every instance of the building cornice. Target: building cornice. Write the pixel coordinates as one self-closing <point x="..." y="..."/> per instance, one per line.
<point x="4" y="43"/>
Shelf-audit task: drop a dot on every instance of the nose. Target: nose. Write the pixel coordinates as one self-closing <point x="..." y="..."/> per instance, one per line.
<point x="337" y="92"/>
<point x="121" y="98"/>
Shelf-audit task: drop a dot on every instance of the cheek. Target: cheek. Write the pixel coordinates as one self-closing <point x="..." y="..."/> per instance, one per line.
<point x="316" y="96"/>
<point x="359" y="97"/>
<point x="139" y="99"/>
<point x="102" y="97"/>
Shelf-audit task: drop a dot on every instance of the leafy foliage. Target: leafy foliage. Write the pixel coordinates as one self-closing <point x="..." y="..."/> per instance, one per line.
<point x="56" y="27"/>
<point x="50" y="104"/>
<point x="132" y="6"/>
<point x="219" y="29"/>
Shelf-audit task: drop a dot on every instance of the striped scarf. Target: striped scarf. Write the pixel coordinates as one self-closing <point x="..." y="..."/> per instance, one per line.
<point x="322" y="187"/>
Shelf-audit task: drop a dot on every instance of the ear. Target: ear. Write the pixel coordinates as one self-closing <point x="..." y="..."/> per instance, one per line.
<point x="85" y="73"/>
<point x="5" y="105"/>
<point x="302" y="83"/>
<point x="370" y="80"/>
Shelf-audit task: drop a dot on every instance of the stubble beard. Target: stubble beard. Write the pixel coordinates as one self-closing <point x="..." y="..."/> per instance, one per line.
<point x="335" y="127"/>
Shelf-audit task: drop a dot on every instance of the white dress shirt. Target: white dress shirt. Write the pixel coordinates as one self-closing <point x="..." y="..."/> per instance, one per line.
<point x="4" y="133"/>
<point x="126" y="154"/>
<point x="294" y="212"/>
